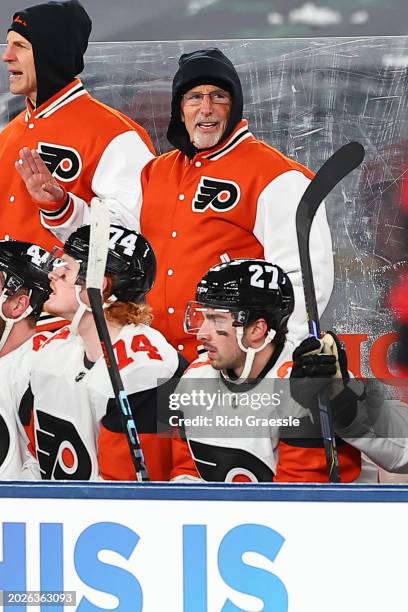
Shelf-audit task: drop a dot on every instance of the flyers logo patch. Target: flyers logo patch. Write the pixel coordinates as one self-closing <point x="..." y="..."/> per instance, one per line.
<point x="228" y="464"/>
<point x="61" y="453"/>
<point x="64" y="163"/>
<point x="220" y="195"/>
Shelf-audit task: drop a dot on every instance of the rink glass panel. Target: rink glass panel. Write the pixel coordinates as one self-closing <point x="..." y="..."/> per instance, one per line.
<point x="306" y="97"/>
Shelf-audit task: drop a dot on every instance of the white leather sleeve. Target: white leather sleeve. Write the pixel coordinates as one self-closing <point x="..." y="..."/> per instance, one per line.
<point x="275" y="228"/>
<point x="117" y="180"/>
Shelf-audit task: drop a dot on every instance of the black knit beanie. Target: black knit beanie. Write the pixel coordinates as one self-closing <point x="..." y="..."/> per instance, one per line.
<point x="59" y="33"/>
<point x="208" y="66"/>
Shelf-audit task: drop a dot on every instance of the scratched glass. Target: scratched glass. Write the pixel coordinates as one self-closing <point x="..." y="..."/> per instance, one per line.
<point x="306" y="98"/>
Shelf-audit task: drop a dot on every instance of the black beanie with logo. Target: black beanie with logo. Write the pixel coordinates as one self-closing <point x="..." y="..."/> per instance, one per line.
<point x="58" y="33"/>
<point x="204" y="67"/>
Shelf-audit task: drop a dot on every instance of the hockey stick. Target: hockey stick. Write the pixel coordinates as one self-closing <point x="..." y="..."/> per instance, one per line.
<point x="98" y="254"/>
<point x="339" y="165"/>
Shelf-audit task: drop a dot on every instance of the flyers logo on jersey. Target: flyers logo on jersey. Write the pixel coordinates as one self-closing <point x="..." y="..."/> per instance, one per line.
<point x="61" y="453"/>
<point x="64" y="163"/>
<point x="219" y="195"/>
<point x="228" y="464"/>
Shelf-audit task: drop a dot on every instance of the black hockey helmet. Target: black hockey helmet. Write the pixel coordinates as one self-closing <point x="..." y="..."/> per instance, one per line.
<point x="131" y="261"/>
<point x="25" y="265"/>
<point x="248" y="288"/>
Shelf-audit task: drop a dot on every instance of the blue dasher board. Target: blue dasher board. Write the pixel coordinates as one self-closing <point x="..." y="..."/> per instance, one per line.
<point x="204" y="548"/>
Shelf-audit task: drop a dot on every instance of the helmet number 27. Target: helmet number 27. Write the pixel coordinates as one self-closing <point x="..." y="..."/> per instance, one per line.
<point x="264" y="277"/>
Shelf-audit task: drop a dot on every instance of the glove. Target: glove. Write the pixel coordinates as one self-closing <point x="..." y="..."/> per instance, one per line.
<point x="316" y="363"/>
<point x="320" y="358"/>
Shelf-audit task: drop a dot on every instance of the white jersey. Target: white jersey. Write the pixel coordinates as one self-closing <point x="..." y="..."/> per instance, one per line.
<point x="15" y="368"/>
<point x="236" y="434"/>
<point x="78" y="429"/>
<point x="256" y="432"/>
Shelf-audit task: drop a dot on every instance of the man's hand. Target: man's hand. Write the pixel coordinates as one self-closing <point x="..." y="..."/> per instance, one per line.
<point x="320" y="358"/>
<point x="316" y="363"/>
<point x="41" y="185"/>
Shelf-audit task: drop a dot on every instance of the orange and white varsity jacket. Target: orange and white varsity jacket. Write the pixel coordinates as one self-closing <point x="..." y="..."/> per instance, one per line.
<point x="237" y="200"/>
<point x="90" y="149"/>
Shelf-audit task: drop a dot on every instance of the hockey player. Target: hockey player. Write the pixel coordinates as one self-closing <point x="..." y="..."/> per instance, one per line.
<point x="240" y="315"/>
<point x="24" y="287"/>
<point x="65" y="147"/>
<point x="227" y="195"/>
<point x="363" y="413"/>
<point x="79" y="433"/>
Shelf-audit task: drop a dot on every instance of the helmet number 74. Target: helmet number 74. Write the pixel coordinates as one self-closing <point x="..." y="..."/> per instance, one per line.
<point x="128" y="242"/>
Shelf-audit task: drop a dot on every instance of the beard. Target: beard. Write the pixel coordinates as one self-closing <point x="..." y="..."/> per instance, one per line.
<point x="202" y="140"/>
<point x="206" y="141"/>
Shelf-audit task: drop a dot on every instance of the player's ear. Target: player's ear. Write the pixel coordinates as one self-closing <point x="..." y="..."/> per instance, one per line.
<point x="257" y="330"/>
<point x="107" y="287"/>
<point x="20" y="303"/>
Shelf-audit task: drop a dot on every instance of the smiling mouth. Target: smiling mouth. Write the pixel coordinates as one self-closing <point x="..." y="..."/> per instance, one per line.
<point x="207" y="125"/>
<point x="14" y="73"/>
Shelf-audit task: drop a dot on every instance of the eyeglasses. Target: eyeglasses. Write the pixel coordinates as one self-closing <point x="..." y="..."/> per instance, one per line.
<point x="195" y="98"/>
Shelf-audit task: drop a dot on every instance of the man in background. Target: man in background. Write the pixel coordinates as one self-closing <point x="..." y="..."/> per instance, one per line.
<point x="65" y="147"/>
<point x="220" y="195"/>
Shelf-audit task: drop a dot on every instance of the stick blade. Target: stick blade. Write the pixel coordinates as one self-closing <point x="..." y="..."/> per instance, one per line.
<point x="98" y="244"/>
<point x="336" y="168"/>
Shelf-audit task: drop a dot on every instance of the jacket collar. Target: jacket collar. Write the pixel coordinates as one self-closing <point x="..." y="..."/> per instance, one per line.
<point x="240" y="134"/>
<point x="60" y="99"/>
